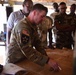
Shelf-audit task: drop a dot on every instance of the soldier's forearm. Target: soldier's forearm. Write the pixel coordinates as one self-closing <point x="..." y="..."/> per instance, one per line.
<point x="35" y="56"/>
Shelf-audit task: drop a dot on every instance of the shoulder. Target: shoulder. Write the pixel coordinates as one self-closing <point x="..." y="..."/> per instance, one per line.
<point x="53" y="15"/>
<point x="22" y="24"/>
<point x="16" y="13"/>
<point x="58" y="16"/>
<point x="49" y="19"/>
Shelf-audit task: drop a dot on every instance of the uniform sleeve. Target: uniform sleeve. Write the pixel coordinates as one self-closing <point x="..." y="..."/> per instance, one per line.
<point x="50" y="22"/>
<point x="38" y="46"/>
<point x="10" y="23"/>
<point x="35" y="56"/>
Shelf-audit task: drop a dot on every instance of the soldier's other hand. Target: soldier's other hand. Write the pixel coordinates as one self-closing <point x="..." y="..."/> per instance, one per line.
<point x="53" y="65"/>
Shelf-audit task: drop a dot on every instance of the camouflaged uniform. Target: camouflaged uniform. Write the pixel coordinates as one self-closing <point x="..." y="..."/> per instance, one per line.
<point x="43" y="30"/>
<point x="72" y="21"/>
<point x="20" y="42"/>
<point x="64" y="38"/>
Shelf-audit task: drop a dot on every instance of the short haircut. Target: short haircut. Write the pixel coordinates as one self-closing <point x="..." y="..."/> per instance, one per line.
<point x="39" y="7"/>
<point x="25" y="1"/>
<point x="74" y="5"/>
<point x="62" y="3"/>
<point x="55" y="4"/>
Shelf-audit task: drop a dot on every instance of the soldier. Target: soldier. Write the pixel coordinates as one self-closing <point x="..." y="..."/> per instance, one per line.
<point x="25" y="42"/>
<point x="72" y="20"/>
<point x="64" y="38"/>
<point x="44" y="28"/>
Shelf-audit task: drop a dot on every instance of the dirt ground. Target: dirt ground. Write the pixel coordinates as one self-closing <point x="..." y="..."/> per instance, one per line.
<point x="63" y="57"/>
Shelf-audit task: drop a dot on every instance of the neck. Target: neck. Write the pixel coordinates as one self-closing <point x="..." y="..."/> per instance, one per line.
<point x="56" y="10"/>
<point x="29" y="18"/>
<point x="26" y="14"/>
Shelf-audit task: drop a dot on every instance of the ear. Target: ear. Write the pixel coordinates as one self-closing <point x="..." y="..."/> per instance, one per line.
<point x="34" y="12"/>
<point x="22" y="5"/>
<point x="58" y="8"/>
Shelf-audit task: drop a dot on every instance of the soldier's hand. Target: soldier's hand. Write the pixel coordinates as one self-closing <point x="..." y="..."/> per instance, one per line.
<point x="53" y="65"/>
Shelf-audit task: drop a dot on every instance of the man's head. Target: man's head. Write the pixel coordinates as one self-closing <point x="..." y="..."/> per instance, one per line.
<point x="62" y="7"/>
<point x="72" y="8"/>
<point x="38" y="13"/>
<point x="27" y="6"/>
<point x="55" y="6"/>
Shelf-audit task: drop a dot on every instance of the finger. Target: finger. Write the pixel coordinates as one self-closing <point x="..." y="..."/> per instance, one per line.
<point x="51" y="69"/>
<point x="55" y="67"/>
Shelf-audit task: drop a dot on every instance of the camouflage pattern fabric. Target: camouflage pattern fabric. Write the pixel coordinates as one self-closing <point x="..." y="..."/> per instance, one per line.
<point x="43" y="29"/>
<point x="72" y="21"/>
<point x="64" y="38"/>
<point x="26" y="42"/>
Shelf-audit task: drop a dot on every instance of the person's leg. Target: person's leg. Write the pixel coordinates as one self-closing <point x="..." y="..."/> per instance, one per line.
<point x="50" y="39"/>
